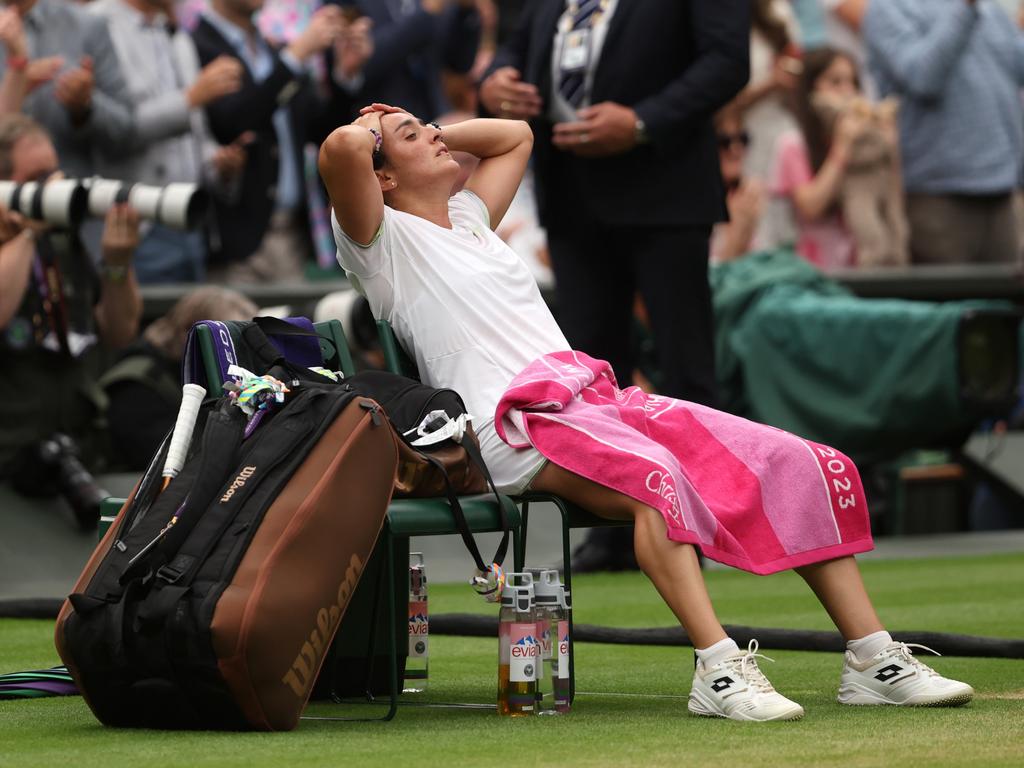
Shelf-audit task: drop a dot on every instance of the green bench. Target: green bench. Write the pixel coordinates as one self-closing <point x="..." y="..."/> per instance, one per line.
<point x="572" y="515"/>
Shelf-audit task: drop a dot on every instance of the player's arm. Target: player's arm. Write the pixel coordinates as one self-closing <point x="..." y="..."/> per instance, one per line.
<point x="346" y="166"/>
<point x="503" y="147"/>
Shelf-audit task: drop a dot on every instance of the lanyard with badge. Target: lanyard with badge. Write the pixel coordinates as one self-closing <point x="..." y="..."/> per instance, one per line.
<point x="577" y="42"/>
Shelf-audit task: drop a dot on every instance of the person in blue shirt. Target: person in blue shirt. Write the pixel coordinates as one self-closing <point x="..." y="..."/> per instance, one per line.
<point x="957" y="67"/>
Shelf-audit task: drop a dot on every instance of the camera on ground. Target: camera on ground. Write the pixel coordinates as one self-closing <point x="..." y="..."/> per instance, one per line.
<point x="68" y="202"/>
<point x="53" y="466"/>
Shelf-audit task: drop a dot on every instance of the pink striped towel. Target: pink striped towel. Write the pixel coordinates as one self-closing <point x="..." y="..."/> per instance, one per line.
<point x="750" y="496"/>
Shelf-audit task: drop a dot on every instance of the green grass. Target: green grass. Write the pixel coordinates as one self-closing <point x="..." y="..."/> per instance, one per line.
<point x="632" y="708"/>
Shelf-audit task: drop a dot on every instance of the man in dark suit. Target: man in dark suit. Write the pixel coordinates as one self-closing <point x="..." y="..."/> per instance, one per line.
<point x="414" y="43"/>
<point x="262" y="231"/>
<point x="621" y="95"/>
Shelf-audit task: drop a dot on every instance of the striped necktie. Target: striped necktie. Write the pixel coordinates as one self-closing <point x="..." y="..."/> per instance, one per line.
<point x="570" y="84"/>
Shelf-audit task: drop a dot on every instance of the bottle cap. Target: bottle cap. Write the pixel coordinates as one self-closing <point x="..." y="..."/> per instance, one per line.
<point x="566" y="599"/>
<point x="518" y="591"/>
<point x="546" y="586"/>
<point x="417" y="573"/>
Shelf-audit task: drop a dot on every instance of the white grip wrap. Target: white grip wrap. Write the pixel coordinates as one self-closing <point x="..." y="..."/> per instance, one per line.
<point x="191" y="398"/>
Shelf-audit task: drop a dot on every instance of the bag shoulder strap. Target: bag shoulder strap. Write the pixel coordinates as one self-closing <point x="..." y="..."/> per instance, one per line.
<point x="460" y="517"/>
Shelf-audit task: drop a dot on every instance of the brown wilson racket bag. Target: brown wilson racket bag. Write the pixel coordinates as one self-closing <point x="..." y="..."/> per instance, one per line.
<point x="221" y="619"/>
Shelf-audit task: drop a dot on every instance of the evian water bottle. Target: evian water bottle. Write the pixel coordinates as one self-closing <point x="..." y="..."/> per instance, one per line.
<point x="553" y="633"/>
<point x="419" y="627"/>
<point x="517" y="647"/>
<point x="561" y="672"/>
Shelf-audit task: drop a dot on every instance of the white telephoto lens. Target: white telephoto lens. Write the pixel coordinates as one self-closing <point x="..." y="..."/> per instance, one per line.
<point x="146" y="200"/>
<point x="181" y="206"/>
<point x="102" y="194"/>
<point x="26" y="199"/>
<point x="62" y="202"/>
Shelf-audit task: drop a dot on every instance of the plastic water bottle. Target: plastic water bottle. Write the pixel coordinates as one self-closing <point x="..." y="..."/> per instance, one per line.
<point x="561" y="671"/>
<point x="517" y="647"/>
<point x="553" y="634"/>
<point x="419" y="627"/>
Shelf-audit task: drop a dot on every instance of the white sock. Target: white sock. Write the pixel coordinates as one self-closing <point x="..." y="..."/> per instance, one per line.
<point x="715" y="653"/>
<point x="866" y="647"/>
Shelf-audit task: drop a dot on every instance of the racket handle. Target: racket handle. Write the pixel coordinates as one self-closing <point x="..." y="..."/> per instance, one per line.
<point x="191" y="398"/>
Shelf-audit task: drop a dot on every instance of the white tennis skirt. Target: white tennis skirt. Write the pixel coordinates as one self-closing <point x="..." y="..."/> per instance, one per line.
<point x="512" y="469"/>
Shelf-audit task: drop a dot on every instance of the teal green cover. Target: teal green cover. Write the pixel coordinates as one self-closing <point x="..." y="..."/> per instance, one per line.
<point x="798" y="351"/>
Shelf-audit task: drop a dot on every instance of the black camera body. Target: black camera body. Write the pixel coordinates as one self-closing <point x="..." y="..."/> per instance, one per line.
<point x="54" y="466"/>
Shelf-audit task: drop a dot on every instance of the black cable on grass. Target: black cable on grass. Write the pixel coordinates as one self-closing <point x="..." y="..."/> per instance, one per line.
<point x="477" y="625"/>
<point x="30" y="608"/>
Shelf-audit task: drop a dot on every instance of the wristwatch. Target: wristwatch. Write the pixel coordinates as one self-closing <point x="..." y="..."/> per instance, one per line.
<point x="640" y="132"/>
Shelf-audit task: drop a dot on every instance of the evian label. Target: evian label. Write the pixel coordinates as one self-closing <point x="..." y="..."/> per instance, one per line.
<point x="563" y="649"/>
<point x="523" y="653"/>
<point x="544" y="637"/>
<point x="419" y="629"/>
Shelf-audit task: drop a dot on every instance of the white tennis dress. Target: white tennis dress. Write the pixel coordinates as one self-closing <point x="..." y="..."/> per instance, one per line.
<point x="465" y="306"/>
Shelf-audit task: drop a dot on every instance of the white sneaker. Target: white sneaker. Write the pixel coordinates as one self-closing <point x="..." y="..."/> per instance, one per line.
<point x="737" y="689"/>
<point x="894" y="676"/>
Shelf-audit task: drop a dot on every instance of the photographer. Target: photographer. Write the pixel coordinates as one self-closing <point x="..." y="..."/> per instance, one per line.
<point x="54" y="312"/>
<point x="172" y="142"/>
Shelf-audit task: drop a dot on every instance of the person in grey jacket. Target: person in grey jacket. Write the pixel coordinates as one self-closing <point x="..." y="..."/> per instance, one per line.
<point x="957" y="67"/>
<point x="85" y="107"/>
<point x="172" y="141"/>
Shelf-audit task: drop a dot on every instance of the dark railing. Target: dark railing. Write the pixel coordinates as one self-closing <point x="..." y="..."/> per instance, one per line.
<point x="930" y="283"/>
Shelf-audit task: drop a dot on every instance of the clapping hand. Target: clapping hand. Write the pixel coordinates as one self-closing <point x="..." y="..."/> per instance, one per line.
<point x="229" y="160"/>
<point x="353" y="47"/>
<point x="220" y="77"/>
<point x="12" y="33"/>
<point x="41" y="71"/>
<point x="74" y="89"/>
<point x="326" y="26"/>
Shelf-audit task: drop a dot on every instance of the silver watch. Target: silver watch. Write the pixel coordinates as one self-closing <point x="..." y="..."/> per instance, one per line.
<point x="640" y="132"/>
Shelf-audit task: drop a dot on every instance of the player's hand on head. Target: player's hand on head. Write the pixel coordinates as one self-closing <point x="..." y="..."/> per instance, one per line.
<point x="384" y="109"/>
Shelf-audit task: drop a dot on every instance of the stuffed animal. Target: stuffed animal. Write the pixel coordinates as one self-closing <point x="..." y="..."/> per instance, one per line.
<point x="871" y="192"/>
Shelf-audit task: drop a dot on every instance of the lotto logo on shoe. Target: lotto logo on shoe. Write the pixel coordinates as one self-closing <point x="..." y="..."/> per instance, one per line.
<point x="722" y="684"/>
<point x="885" y="674"/>
<point x="523" y="652"/>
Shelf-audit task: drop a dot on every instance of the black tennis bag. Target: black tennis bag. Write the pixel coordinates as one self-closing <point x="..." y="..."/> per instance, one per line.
<point x="222" y="618"/>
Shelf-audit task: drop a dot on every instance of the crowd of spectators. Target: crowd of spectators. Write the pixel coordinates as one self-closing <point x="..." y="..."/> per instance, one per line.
<point x="859" y="132"/>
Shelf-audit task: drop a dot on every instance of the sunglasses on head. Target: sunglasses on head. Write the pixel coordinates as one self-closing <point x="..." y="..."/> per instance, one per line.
<point x="727" y="140"/>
